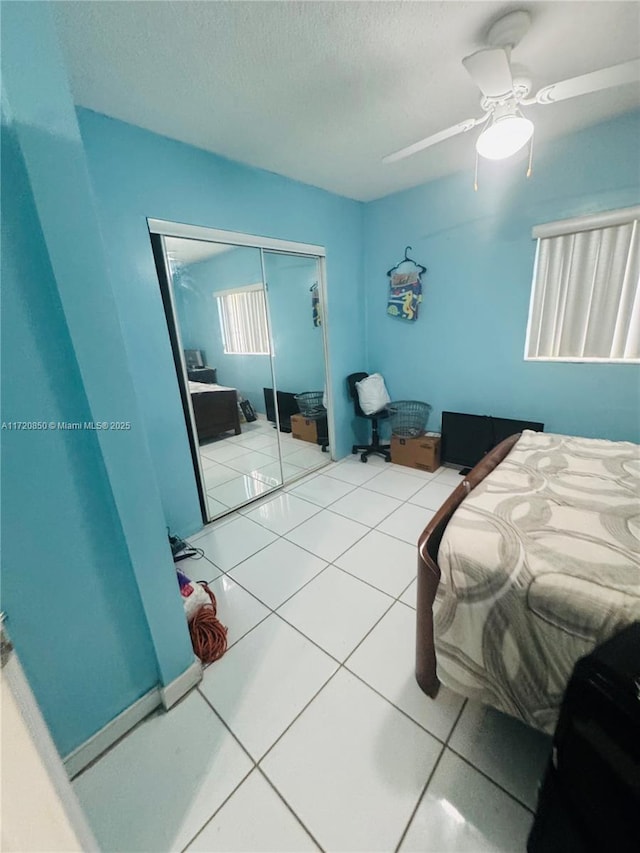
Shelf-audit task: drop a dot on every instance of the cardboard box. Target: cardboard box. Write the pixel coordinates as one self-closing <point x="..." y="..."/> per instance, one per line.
<point x="304" y="429"/>
<point x="422" y="452"/>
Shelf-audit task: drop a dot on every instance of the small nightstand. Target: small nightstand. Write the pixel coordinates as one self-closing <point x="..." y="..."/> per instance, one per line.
<point x="207" y="375"/>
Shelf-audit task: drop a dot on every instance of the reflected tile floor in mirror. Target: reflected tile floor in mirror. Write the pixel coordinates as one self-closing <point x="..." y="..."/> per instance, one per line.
<point x="311" y="732"/>
<point x="239" y="468"/>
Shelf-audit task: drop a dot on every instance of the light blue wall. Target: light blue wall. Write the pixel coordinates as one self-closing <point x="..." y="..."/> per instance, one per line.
<point x="465" y="352"/>
<point x="67" y="585"/>
<point x="137" y="174"/>
<point x="299" y="351"/>
<point x="88" y="583"/>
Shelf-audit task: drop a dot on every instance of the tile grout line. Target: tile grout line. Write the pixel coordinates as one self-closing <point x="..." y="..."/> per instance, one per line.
<point x="276" y="488"/>
<point x="273" y="612"/>
<point x="285" y="535"/>
<point x="420" y="797"/>
<point x="400" y="504"/>
<point x="249" y="556"/>
<point x="257" y="768"/>
<point x="337" y="556"/>
<point x="376" y="527"/>
<point x="337" y="660"/>
<point x="471" y="764"/>
<point x="248" y="631"/>
<point x="299" y="714"/>
<point x="300" y="588"/>
<point x="484" y="774"/>
<point x="293" y="594"/>
<point x="197" y="559"/>
<point x="393" y="602"/>
<point x="321" y="508"/>
<point x="453" y="727"/>
<point x="369" y="583"/>
<point x="212" y="708"/>
<point x="342" y="665"/>
<point x="290" y="808"/>
<point x="393" y="705"/>
<point x="330" y="504"/>
<point x="276" y="612"/>
<point x="240" y="783"/>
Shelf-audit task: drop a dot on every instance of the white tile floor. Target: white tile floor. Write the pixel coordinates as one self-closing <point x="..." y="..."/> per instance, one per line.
<point x="237" y="468"/>
<point x="311" y="733"/>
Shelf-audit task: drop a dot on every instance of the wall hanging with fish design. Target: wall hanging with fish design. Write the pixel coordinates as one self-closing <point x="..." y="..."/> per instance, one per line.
<point x="315" y="305"/>
<point x="405" y="288"/>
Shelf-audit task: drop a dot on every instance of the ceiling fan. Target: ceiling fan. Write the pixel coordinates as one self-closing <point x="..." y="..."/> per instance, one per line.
<point x="506" y="129"/>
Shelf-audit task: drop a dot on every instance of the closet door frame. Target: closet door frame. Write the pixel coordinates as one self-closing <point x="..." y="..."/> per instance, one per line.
<point x="173" y="327"/>
<point x="160" y="228"/>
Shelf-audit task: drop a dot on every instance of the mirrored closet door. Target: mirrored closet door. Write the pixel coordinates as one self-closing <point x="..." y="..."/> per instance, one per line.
<point x="293" y="283"/>
<point x="246" y="327"/>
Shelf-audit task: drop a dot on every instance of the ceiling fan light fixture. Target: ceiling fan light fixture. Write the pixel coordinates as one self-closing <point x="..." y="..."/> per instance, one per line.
<point x="506" y="135"/>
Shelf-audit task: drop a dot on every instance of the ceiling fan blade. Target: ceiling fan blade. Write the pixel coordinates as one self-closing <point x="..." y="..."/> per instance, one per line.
<point x="605" y="78"/>
<point x="463" y="127"/>
<point x="491" y="71"/>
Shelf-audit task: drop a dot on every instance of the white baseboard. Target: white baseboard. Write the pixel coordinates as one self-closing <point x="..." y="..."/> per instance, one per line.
<point x="113" y="731"/>
<point x="158" y="697"/>
<point x="181" y="685"/>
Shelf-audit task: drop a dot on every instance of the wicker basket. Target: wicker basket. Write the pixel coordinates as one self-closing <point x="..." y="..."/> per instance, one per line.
<point x="408" y="418"/>
<point x="310" y="404"/>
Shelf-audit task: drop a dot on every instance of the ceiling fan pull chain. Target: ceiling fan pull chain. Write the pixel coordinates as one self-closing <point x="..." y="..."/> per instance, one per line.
<point x="530" y="166"/>
<point x="475" y="176"/>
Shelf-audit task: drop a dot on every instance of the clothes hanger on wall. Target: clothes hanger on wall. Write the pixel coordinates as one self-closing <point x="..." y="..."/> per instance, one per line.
<point x="405" y="260"/>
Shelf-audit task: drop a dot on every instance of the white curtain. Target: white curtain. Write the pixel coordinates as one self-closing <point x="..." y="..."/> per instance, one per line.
<point x="586" y="295"/>
<point x="243" y="320"/>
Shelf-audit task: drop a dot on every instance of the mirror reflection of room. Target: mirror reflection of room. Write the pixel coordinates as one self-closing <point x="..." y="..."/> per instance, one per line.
<point x="219" y="304"/>
<point x="221" y="309"/>
<point x="299" y="362"/>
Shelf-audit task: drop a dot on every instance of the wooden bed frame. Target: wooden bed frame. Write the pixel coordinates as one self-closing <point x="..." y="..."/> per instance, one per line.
<point x="215" y="412"/>
<point x="429" y="571"/>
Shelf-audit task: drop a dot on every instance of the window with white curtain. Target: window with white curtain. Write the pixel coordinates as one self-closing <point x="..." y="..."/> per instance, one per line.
<point x="585" y="298"/>
<point x="243" y="320"/>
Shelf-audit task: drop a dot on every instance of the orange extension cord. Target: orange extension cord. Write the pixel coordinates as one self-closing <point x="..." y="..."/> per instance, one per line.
<point x="208" y="634"/>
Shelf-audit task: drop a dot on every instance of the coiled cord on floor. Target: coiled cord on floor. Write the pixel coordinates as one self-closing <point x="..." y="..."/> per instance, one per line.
<point x="208" y="634"/>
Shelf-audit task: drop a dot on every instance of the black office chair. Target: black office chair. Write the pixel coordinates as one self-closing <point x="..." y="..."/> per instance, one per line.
<point x="365" y="450"/>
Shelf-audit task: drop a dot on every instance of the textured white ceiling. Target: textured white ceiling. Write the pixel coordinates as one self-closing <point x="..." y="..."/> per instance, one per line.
<point x="321" y="91"/>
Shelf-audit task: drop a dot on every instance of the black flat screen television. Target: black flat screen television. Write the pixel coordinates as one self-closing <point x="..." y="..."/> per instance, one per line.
<point x="467" y="438"/>
<point x="287" y="406"/>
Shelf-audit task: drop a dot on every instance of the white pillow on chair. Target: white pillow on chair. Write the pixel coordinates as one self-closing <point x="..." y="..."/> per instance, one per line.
<point x="372" y="394"/>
